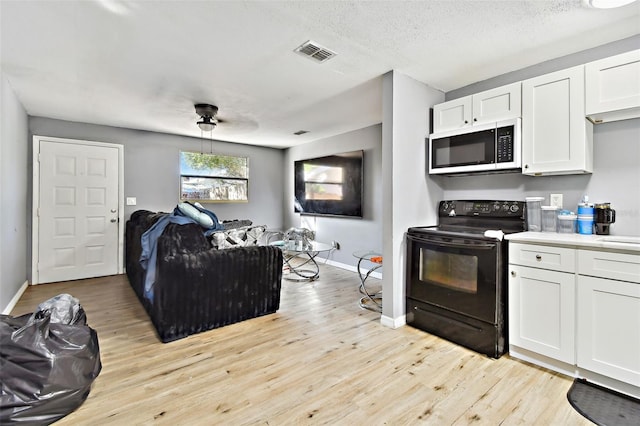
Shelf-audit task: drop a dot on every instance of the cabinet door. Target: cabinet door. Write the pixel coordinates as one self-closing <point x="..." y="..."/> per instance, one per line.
<point x="556" y="136"/>
<point x="608" y="339"/>
<point x="452" y="115"/>
<point x="613" y="87"/>
<point x="541" y="312"/>
<point x="497" y="104"/>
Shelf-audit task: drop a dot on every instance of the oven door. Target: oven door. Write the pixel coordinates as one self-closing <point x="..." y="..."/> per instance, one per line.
<point x="455" y="273"/>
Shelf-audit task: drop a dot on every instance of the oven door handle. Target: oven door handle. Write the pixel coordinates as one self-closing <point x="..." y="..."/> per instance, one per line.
<point x="443" y="242"/>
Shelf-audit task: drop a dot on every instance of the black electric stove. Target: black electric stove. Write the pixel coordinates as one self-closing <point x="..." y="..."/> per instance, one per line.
<point x="457" y="272"/>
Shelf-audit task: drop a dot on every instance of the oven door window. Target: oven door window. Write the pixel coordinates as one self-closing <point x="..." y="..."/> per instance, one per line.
<point x="456" y="271"/>
<point x="459" y="275"/>
<point x="464" y="150"/>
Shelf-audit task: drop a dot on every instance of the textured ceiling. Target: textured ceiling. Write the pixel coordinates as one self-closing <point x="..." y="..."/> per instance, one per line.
<point x="144" y="64"/>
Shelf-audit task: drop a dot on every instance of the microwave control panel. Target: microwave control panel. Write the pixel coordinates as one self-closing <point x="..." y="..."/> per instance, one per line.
<point x="504" y="144"/>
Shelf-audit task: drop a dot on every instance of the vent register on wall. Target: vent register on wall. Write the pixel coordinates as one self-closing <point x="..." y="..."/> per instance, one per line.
<point x="329" y="186"/>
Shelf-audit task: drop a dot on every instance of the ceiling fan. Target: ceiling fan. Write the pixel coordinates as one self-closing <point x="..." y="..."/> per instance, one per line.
<point x="207" y="113"/>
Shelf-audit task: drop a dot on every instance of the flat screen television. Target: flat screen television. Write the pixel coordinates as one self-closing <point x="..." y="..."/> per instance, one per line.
<point x="329" y="186"/>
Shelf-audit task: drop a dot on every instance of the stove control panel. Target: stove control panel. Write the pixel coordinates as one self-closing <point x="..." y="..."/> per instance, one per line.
<point x="485" y="208"/>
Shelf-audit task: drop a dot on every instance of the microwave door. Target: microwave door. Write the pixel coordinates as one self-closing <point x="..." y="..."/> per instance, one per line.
<point x="463" y="153"/>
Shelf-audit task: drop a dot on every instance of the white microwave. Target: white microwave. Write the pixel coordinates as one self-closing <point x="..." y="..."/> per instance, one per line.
<point x="485" y="148"/>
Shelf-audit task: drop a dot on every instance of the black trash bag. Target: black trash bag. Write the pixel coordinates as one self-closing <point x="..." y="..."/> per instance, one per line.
<point x="48" y="361"/>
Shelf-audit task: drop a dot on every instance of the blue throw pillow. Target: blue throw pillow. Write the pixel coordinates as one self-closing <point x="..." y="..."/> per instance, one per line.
<point x="192" y="212"/>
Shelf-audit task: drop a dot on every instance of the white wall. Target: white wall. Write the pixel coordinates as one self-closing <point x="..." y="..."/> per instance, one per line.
<point x="410" y="198"/>
<point x="151" y="168"/>
<point x="351" y="233"/>
<point x="14" y="214"/>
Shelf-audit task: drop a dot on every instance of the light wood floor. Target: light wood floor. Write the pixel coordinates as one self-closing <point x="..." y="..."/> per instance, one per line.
<point x="319" y="360"/>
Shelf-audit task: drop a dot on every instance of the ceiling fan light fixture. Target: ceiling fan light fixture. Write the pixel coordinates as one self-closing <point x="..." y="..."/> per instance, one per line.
<point x="606" y="4"/>
<point x="206" y="124"/>
<point x="207" y="115"/>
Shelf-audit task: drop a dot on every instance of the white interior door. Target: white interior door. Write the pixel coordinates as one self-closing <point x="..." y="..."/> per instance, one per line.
<point x="78" y="210"/>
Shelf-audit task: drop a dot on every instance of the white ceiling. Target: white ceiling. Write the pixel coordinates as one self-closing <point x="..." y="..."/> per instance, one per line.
<point x="144" y="64"/>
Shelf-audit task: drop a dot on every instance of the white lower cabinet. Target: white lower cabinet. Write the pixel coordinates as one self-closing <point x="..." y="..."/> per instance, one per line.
<point x="577" y="311"/>
<point x="542" y="311"/>
<point x="608" y="326"/>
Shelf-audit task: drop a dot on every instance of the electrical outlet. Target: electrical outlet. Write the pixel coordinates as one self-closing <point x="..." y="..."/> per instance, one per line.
<point x="556" y="200"/>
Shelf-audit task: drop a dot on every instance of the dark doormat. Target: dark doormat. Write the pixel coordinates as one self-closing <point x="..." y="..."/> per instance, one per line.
<point x="603" y="406"/>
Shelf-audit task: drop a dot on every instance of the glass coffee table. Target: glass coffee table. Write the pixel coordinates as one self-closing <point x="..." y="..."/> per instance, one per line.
<point x="308" y="270"/>
<point x="370" y="301"/>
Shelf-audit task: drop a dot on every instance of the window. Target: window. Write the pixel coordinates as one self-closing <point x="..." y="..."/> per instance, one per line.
<point x="212" y="177"/>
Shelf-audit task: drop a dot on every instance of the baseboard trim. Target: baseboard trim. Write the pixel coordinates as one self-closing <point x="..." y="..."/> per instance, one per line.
<point x="393" y="322"/>
<point x="12" y="304"/>
<point x="352" y="268"/>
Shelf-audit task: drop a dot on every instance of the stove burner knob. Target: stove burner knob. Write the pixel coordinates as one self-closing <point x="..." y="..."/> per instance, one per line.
<point x="496" y="207"/>
<point x="514" y="208"/>
<point x="445" y="206"/>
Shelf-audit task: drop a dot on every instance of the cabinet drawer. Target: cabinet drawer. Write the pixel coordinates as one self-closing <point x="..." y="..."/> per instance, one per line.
<point x="611" y="265"/>
<point x="544" y="257"/>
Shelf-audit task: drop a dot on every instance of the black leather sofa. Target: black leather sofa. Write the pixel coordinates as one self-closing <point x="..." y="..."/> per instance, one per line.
<point x="198" y="287"/>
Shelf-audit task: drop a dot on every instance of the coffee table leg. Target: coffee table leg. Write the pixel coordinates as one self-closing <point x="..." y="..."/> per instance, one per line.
<point x="305" y="274"/>
<point x="372" y="302"/>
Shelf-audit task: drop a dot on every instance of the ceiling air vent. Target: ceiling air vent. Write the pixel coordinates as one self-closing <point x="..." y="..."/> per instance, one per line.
<point x="313" y="50"/>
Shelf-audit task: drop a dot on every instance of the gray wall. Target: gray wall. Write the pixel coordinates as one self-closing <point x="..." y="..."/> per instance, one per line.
<point x="410" y="197"/>
<point x="557" y="64"/>
<point x="616" y="151"/>
<point x="615" y="178"/>
<point x="151" y="168"/>
<point x="352" y="234"/>
<point x="14" y="213"/>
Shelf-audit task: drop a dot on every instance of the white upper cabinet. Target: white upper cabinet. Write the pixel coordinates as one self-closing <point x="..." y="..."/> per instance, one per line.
<point x="452" y="115"/>
<point x="557" y="139"/>
<point x="491" y="105"/>
<point x="497" y="104"/>
<point x="613" y="87"/>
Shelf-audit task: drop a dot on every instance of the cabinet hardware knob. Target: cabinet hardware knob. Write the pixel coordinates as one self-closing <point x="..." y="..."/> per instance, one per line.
<point x="538" y="257"/>
<point x="513" y="273"/>
<point x="466" y="122"/>
<point x="475" y="119"/>
<point x="526" y="166"/>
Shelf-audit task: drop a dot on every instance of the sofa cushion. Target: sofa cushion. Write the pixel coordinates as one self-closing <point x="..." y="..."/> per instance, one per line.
<point x="238" y="237"/>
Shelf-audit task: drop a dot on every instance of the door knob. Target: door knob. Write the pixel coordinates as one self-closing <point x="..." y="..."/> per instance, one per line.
<point x="114" y="220"/>
<point x="113" y="210"/>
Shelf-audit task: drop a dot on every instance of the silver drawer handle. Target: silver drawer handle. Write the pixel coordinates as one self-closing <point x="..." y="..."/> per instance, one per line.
<point x="538" y="257"/>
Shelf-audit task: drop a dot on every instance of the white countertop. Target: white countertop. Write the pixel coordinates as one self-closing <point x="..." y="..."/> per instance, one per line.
<point x="603" y="242"/>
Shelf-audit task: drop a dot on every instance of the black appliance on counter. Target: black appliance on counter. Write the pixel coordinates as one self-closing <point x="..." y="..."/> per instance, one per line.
<point x="457" y="276"/>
